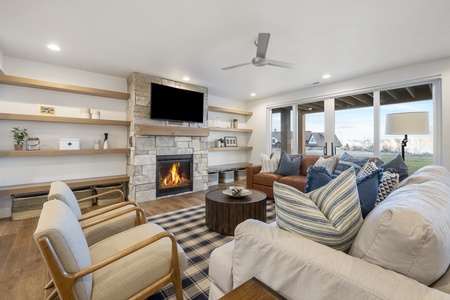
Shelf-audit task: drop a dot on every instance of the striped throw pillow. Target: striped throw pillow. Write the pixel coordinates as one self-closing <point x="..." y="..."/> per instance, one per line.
<point x="269" y="164"/>
<point x="330" y="215"/>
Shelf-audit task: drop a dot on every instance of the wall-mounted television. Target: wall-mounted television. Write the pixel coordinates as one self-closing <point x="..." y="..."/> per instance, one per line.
<point x="169" y="103"/>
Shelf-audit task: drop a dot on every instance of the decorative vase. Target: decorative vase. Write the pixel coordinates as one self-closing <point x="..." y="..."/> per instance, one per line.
<point x="105" y="143"/>
<point x="18" y="146"/>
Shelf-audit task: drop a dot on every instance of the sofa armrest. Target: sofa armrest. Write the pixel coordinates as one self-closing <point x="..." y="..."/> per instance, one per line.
<point x="293" y="265"/>
<point x="250" y="171"/>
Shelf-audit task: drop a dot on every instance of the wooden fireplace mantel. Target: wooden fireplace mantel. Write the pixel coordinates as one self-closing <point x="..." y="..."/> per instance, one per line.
<point x="170" y="130"/>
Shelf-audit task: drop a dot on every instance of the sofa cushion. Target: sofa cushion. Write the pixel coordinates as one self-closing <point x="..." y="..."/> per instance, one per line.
<point x="266" y="178"/>
<point x="346" y="161"/>
<point x="397" y="165"/>
<point x="409" y="232"/>
<point x="269" y="164"/>
<point x="427" y="173"/>
<point x="297" y="181"/>
<point x="367" y="185"/>
<point x="289" y="165"/>
<point x="309" y="160"/>
<point x="330" y="215"/>
<point x="329" y="163"/>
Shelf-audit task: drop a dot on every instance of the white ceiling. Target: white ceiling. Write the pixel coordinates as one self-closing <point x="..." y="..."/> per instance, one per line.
<point x="171" y="39"/>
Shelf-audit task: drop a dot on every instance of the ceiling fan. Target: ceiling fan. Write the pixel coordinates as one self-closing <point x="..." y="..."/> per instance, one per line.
<point x="261" y="60"/>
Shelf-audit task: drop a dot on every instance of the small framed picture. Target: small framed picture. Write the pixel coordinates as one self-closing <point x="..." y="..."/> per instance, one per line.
<point x="230" y="141"/>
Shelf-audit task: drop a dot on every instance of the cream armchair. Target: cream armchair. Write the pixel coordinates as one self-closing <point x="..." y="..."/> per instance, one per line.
<point x="104" y="222"/>
<point x="132" y="264"/>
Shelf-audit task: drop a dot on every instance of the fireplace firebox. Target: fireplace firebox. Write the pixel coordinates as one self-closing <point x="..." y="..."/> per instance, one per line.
<point x="174" y="174"/>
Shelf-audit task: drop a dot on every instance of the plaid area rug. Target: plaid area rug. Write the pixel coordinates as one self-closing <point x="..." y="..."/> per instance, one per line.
<point x="188" y="226"/>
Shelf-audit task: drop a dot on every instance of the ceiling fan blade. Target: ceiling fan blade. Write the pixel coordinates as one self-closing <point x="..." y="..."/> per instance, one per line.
<point x="263" y="43"/>
<point x="236" y="66"/>
<point x="281" y="64"/>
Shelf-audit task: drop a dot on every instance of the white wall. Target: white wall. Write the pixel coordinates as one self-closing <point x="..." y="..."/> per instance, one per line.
<point x="430" y="69"/>
<point x="227" y="157"/>
<point x="22" y="100"/>
<point x="1" y="61"/>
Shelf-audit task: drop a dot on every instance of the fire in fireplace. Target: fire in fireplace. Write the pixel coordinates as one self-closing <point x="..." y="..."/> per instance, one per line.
<point x="174" y="174"/>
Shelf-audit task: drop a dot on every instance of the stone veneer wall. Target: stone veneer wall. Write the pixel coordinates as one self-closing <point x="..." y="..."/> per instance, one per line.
<point x="141" y="165"/>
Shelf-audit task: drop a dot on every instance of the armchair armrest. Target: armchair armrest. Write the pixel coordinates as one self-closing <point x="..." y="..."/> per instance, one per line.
<point x="116" y="191"/>
<point x="114" y="211"/>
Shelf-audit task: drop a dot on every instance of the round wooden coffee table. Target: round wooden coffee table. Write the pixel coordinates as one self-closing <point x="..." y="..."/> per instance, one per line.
<point x="223" y="213"/>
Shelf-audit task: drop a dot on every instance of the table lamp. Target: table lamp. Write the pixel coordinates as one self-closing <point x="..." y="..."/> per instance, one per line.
<point x="407" y="123"/>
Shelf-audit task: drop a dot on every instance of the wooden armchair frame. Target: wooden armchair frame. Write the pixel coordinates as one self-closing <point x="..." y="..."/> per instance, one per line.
<point x="64" y="281"/>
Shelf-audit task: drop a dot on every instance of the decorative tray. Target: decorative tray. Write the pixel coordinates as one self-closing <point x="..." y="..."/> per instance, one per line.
<point x="237" y="192"/>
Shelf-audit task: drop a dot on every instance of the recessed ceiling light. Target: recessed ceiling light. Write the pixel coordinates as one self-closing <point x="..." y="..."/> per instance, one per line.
<point x="186" y="78"/>
<point x="326" y="76"/>
<point x="53" y="47"/>
<point x="253" y="94"/>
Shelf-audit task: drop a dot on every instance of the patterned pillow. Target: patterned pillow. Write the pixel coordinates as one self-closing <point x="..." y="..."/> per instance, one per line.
<point x="289" y="166"/>
<point x="347" y="161"/>
<point x="269" y="164"/>
<point x="398" y="165"/>
<point x="368" y="185"/>
<point x="330" y="215"/>
<point x="368" y="168"/>
<point x="389" y="182"/>
<point x="329" y="163"/>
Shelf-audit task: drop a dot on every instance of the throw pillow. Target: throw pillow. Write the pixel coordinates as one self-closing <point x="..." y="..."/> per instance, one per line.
<point x="389" y="182"/>
<point x="269" y="164"/>
<point x="329" y="163"/>
<point x="347" y="161"/>
<point x="368" y="185"/>
<point x="399" y="166"/>
<point x="330" y="215"/>
<point x="289" y="166"/>
<point x="368" y="168"/>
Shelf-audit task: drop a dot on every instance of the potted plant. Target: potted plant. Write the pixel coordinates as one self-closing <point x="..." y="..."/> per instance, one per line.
<point x="19" y="136"/>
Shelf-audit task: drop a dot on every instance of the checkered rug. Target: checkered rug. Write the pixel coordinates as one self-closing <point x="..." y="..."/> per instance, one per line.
<point x="188" y="226"/>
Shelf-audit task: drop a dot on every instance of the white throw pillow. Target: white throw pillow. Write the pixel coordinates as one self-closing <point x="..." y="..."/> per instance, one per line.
<point x="329" y="163"/>
<point x="269" y="164"/>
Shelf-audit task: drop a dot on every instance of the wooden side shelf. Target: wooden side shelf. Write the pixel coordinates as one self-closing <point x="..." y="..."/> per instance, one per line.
<point x="68" y="88"/>
<point x="230" y="129"/>
<point x="74" y="183"/>
<point x="229" y="111"/>
<point x="229" y="148"/>
<point x="61" y="152"/>
<point x="21" y="117"/>
<point x="170" y="130"/>
<point x="228" y="166"/>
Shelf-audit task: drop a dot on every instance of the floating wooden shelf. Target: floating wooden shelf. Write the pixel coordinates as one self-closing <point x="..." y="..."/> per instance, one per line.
<point x="21" y="117"/>
<point x="61" y="152"/>
<point x="229" y="111"/>
<point x="170" y="130"/>
<point x="68" y="88"/>
<point x="228" y="166"/>
<point x="229" y="148"/>
<point x="73" y="183"/>
<point x="230" y="129"/>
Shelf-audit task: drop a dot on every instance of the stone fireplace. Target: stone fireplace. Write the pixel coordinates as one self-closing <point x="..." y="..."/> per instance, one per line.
<point x="151" y="140"/>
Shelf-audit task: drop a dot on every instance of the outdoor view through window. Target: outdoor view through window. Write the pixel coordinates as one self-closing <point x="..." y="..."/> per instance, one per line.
<point x="354" y="126"/>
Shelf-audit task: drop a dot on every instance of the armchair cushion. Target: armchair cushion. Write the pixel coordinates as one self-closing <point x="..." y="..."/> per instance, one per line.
<point x="156" y="257"/>
<point x="330" y="215"/>
<point x="60" y="225"/>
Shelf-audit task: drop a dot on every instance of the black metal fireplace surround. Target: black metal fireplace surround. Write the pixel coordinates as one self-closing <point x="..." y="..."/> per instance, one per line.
<point x="174" y="174"/>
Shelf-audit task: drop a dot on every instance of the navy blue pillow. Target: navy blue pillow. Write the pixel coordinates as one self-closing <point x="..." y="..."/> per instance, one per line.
<point x="397" y="165"/>
<point x="346" y="161"/>
<point x="318" y="176"/>
<point x="288" y="166"/>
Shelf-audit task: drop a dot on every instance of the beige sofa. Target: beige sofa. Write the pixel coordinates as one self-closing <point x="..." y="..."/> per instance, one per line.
<point x="402" y="251"/>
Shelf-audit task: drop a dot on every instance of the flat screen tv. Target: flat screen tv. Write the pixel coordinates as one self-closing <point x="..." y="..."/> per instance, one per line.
<point x="169" y="103"/>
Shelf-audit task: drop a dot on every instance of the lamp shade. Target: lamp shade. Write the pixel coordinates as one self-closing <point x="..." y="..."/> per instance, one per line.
<point x="407" y="123"/>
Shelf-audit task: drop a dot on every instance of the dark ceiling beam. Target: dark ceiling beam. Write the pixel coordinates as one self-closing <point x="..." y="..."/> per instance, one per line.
<point x="393" y="94"/>
<point x="411" y="91"/>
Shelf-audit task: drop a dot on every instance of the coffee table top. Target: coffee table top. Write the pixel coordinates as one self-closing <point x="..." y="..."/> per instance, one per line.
<point x="219" y="196"/>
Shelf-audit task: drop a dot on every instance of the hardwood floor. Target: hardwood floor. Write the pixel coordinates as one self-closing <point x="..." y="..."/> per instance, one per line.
<point x="22" y="270"/>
